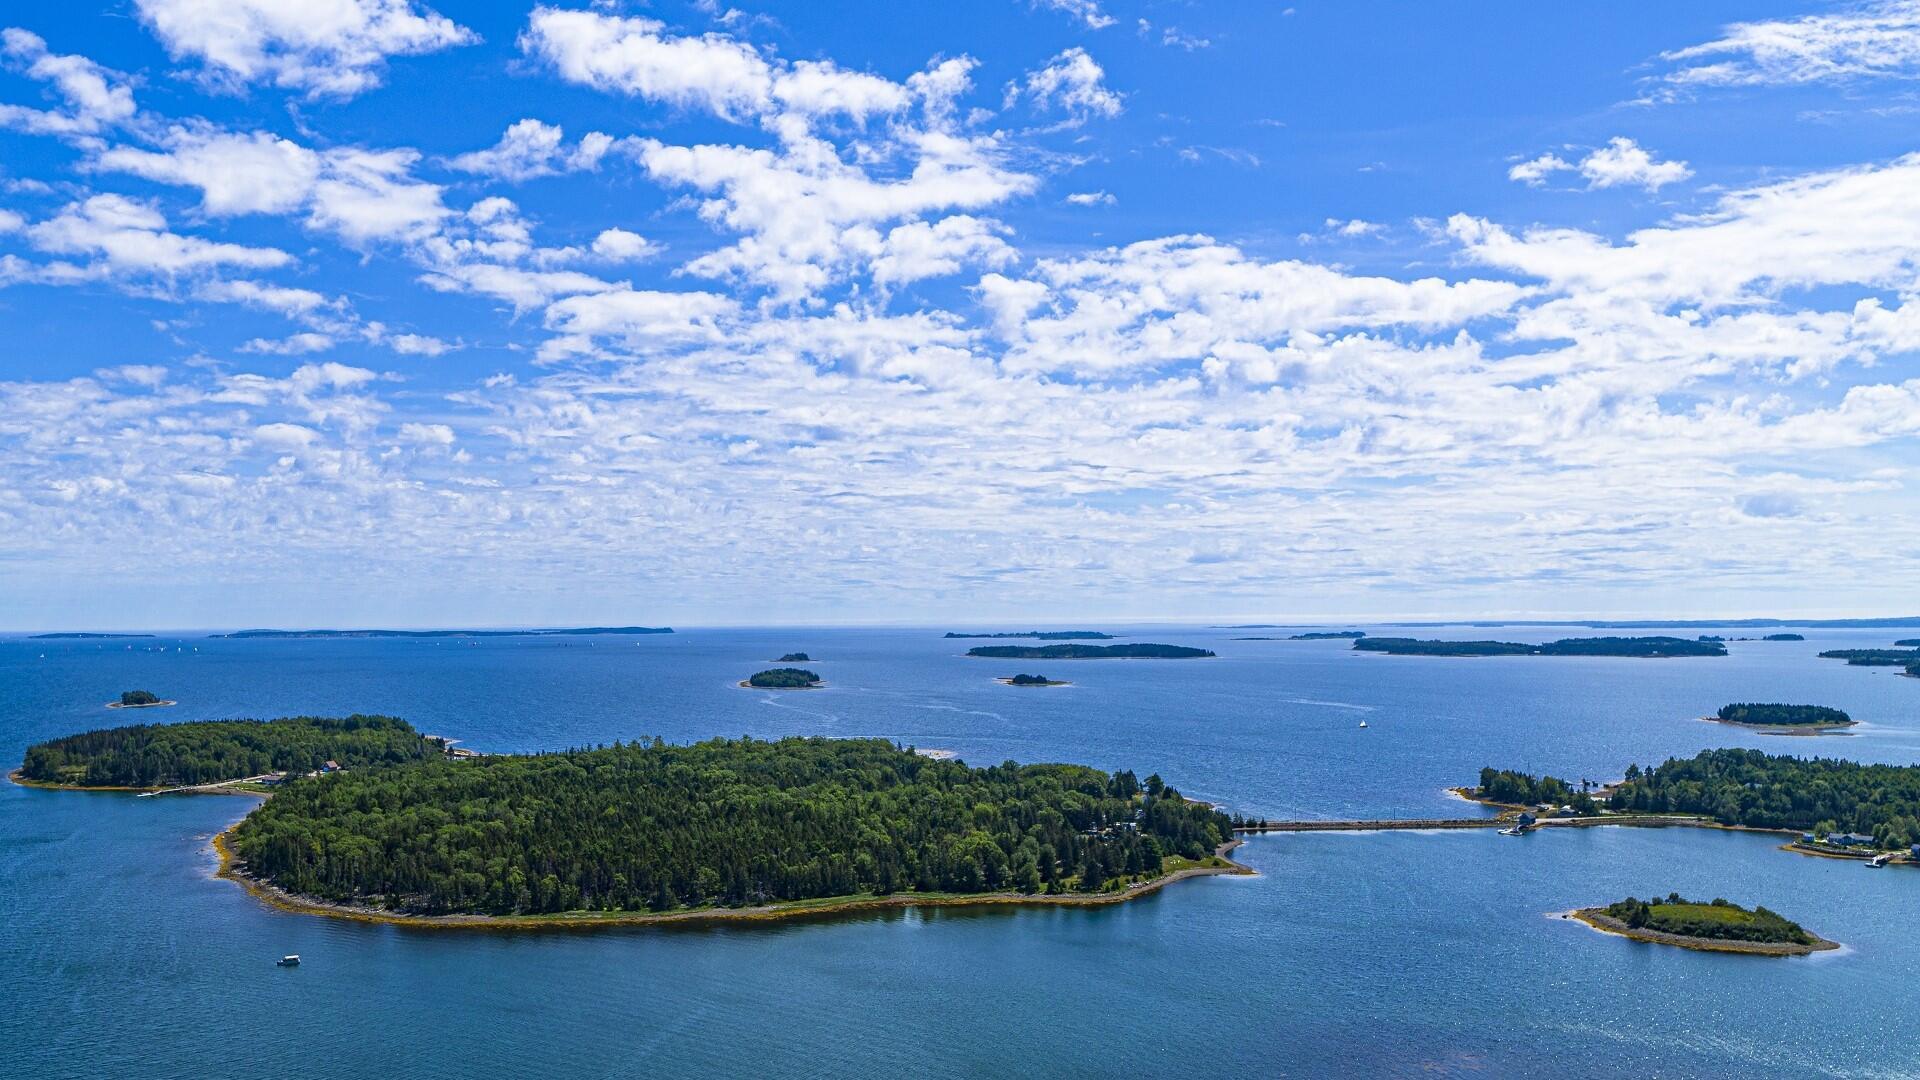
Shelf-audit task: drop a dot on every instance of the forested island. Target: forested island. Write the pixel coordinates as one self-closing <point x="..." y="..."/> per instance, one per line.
<point x="1907" y="643"/>
<point x="1142" y="651"/>
<point x="70" y="635"/>
<point x="1328" y="635"/>
<point x="634" y="831"/>
<point x="139" y="699"/>
<point x="204" y="752"/>
<point x="1752" y="789"/>
<point x="1044" y="635"/>
<point x="795" y="658"/>
<point x="562" y="632"/>
<point x="1716" y="926"/>
<point x="1650" y="647"/>
<point x="1032" y="680"/>
<point x="1804" y="718"/>
<point x="785" y="678"/>
<point x="1873" y="657"/>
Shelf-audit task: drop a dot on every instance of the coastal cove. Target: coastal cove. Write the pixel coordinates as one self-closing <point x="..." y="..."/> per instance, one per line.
<point x="1310" y="957"/>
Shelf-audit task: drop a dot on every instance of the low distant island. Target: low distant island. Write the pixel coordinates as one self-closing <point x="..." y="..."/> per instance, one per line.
<point x="139" y="699"/>
<point x="1796" y="719"/>
<point x="1142" y="651"/>
<point x="1044" y="635"/>
<point x="795" y="658"/>
<point x="1909" y="659"/>
<point x="1768" y="637"/>
<point x="1328" y="635"/>
<point x="1647" y="647"/>
<point x="70" y="635"/>
<point x="561" y="632"/>
<point x="1718" y="926"/>
<point x="785" y="678"/>
<point x="1907" y="643"/>
<point x="1032" y="680"/>
<point x="153" y="756"/>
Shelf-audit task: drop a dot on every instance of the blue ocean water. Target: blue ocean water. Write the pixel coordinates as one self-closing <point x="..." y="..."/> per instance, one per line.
<point x="1377" y="954"/>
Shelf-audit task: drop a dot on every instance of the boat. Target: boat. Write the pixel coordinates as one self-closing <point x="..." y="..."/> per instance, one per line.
<point x="289" y="960"/>
<point x="1363" y="723"/>
<point x="1879" y="860"/>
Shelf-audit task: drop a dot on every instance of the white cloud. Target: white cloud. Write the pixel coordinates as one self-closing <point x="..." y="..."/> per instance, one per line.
<point x="296" y="345"/>
<point x="1622" y="162"/>
<point x="327" y="48"/>
<point x="130" y="237"/>
<point x="1091" y="198"/>
<point x="11" y="222"/>
<point x="426" y="434"/>
<point x="1088" y="12"/>
<point x="619" y="245"/>
<point x="368" y="195"/>
<point x="531" y="149"/>
<point x="1874" y="40"/>
<point x="418" y="345"/>
<point x="251" y="173"/>
<point x="95" y="97"/>
<point x="1071" y="82"/>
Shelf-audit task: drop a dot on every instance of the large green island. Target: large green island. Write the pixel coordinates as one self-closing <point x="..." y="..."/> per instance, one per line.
<point x="1651" y="647"/>
<point x="782" y="678"/>
<point x="1142" y="651"/>
<point x="1784" y="719"/>
<point x="391" y="828"/>
<point x="1719" y="926"/>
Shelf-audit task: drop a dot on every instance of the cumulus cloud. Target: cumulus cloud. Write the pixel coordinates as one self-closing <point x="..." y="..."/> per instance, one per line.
<point x="532" y="149"/>
<point x="93" y="98"/>
<point x="1622" y="162"/>
<point x="1087" y="12"/>
<point x="338" y="48"/>
<point x="126" y="236"/>
<point x="1071" y="82"/>
<point x="1090" y="198"/>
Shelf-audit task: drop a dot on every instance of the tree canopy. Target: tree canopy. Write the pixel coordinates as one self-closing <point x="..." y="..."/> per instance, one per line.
<point x="726" y="822"/>
<point x="1720" y="920"/>
<point x="203" y="752"/>
<point x="1778" y="715"/>
<point x="783" y="678"/>
<point x="139" y="697"/>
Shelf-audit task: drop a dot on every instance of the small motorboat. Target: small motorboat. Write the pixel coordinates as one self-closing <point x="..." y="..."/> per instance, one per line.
<point x="289" y="960"/>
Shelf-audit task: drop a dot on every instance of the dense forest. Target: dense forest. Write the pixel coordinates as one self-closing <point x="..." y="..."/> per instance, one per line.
<point x="1503" y="786"/>
<point x="1044" y="635"/>
<point x="1748" y="787"/>
<point x="162" y="755"/>
<point x="1719" y="920"/>
<point x="1142" y="651"/>
<point x="133" y="698"/>
<point x="785" y="678"/>
<point x="1873" y="657"/>
<point x="795" y="658"/>
<point x="1597" y="646"/>
<point x="1778" y="715"/>
<point x="725" y="822"/>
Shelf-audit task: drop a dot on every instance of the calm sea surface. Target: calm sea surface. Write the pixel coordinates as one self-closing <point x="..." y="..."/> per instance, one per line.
<point x="1380" y="954"/>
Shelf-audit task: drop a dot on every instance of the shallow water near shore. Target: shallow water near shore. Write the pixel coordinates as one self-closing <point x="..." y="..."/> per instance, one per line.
<point x="1369" y="954"/>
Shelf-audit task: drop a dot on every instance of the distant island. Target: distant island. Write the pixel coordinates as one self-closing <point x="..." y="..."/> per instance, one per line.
<point x="1803" y="719"/>
<point x="795" y="658"/>
<point x="1032" y="680"/>
<point x="1769" y="637"/>
<point x="51" y="637"/>
<point x="1044" y="635"/>
<point x="1142" y="651"/>
<point x="1651" y="647"/>
<point x="1328" y="635"/>
<point x="139" y="699"/>
<point x="562" y="632"/>
<point x="1719" y="926"/>
<point x="1907" y="643"/>
<point x="1784" y="637"/>
<point x="147" y="756"/>
<point x="785" y="678"/>
<point x="1909" y="659"/>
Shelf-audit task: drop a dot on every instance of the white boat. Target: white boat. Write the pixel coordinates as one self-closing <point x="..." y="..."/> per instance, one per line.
<point x="1363" y="723"/>
<point x="289" y="960"/>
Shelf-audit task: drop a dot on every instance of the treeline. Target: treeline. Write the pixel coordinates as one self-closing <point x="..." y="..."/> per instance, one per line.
<point x="1505" y="786"/>
<point x="1720" y="920"/>
<point x="1748" y="787"/>
<point x="1596" y="646"/>
<point x="1874" y="657"/>
<point x="726" y="822"/>
<point x="786" y="678"/>
<point x="1778" y="715"/>
<point x="163" y="755"/>
<point x="1142" y="651"/>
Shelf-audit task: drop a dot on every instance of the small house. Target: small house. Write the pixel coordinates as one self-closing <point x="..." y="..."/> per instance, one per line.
<point x="1849" y="839"/>
<point x="1527" y="819"/>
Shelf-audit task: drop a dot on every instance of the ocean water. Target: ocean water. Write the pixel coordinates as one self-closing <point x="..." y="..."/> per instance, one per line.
<point x="1350" y="954"/>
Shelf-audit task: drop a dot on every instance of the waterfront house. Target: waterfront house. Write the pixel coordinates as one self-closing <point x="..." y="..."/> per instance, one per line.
<point x="1849" y="839"/>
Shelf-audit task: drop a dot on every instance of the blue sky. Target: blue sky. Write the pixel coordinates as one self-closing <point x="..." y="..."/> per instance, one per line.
<point x="378" y="312"/>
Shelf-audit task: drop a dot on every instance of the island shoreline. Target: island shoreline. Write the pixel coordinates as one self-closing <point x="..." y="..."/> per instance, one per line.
<point x="1598" y="919"/>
